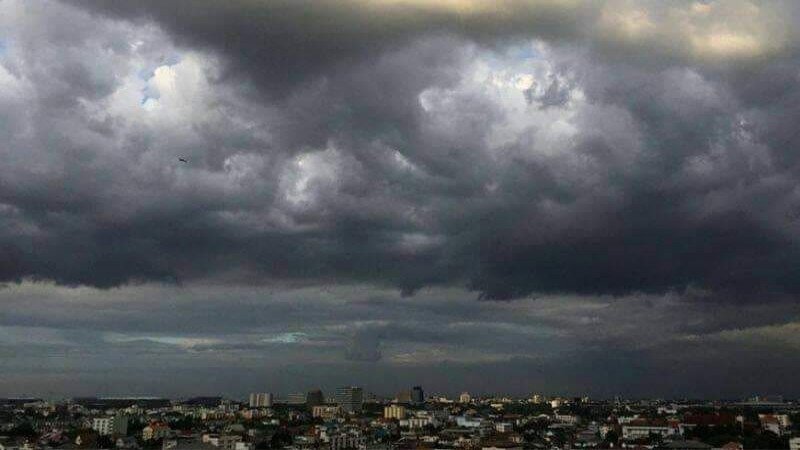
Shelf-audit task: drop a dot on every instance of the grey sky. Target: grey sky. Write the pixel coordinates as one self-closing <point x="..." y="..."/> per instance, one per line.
<point x="522" y="195"/>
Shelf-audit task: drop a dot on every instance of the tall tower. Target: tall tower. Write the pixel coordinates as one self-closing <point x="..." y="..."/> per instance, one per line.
<point x="417" y="395"/>
<point x="350" y="398"/>
<point x="314" y="398"/>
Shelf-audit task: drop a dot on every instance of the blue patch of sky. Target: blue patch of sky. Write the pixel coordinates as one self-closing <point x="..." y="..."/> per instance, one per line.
<point x="148" y="72"/>
<point x="525" y="50"/>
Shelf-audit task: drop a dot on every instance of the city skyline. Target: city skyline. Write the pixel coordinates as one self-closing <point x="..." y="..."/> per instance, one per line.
<point x="349" y="422"/>
<point x="557" y="196"/>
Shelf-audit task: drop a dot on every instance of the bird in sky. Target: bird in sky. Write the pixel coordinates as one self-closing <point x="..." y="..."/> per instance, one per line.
<point x="183" y="160"/>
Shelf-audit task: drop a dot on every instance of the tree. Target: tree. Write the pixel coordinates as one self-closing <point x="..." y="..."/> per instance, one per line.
<point x="23" y="430"/>
<point x="612" y="437"/>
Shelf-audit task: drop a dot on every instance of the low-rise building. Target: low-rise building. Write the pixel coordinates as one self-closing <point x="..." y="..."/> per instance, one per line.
<point x="632" y="432"/>
<point x="504" y="427"/>
<point x="156" y="430"/>
<point x="347" y="441"/>
<point x="326" y="412"/>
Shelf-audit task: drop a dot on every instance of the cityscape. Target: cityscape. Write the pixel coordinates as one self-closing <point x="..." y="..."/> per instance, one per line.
<point x="399" y="224"/>
<point x="351" y="418"/>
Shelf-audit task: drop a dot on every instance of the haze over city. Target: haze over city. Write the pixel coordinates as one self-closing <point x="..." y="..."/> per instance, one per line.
<point x="203" y="197"/>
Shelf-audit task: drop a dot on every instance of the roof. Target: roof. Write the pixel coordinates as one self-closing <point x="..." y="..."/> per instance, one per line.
<point x="689" y="445"/>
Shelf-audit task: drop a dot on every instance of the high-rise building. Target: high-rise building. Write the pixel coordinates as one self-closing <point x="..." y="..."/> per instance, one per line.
<point x="417" y="395"/>
<point x="314" y="398"/>
<point x="394" y="412"/>
<point x="403" y="397"/>
<point x="261" y="400"/>
<point x="297" y="398"/>
<point x="120" y="425"/>
<point x="350" y="398"/>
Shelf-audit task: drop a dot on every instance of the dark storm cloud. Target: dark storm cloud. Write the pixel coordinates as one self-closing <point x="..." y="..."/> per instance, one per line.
<point x="283" y="43"/>
<point x="358" y="172"/>
<point x="363" y="346"/>
<point x="383" y="118"/>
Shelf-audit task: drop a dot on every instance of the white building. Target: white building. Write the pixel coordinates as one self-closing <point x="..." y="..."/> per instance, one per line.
<point x="417" y="422"/>
<point x="504" y="427"/>
<point x="468" y="422"/>
<point x="644" y="431"/>
<point x="567" y="418"/>
<point x="794" y="443"/>
<point x="103" y="425"/>
<point x="464" y="398"/>
<point x="261" y="400"/>
<point x="107" y="426"/>
<point x="347" y="441"/>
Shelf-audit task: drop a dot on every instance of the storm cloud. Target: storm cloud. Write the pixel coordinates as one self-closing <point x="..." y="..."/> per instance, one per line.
<point x="352" y="164"/>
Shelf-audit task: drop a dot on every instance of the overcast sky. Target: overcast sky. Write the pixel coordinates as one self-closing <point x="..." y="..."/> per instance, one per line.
<point x="517" y="196"/>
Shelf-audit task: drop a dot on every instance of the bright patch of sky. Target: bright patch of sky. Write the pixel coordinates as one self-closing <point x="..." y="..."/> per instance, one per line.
<point x="286" y="338"/>
<point x="179" y="341"/>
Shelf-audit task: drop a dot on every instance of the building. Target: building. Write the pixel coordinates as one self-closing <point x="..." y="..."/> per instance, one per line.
<point x="350" y="398"/>
<point x="155" y="431"/>
<point x="403" y="397"/>
<point x="632" y="432"/>
<point x="502" y="446"/>
<point x="567" y="418"/>
<point x="685" y="445"/>
<point x="103" y="425"/>
<point x="325" y="412"/>
<point x="347" y="441"/>
<point x="314" y="398"/>
<point x="417" y="395"/>
<point x="417" y="422"/>
<point x="261" y="400"/>
<point x="111" y="426"/>
<point x="468" y="422"/>
<point x="464" y="398"/>
<point x="229" y="441"/>
<point x="732" y="445"/>
<point x="794" y="443"/>
<point x="504" y="427"/>
<point x="128" y="442"/>
<point x="776" y="423"/>
<point x="297" y="398"/>
<point x="179" y="444"/>
<point x="394" y="412"/>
